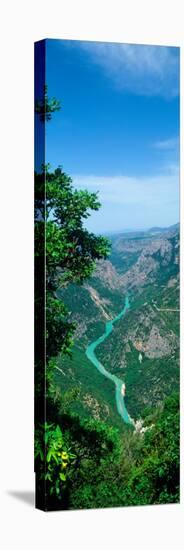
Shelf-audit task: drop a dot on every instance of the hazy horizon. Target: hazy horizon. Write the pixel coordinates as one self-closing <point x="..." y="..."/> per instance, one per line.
<point x="140" y="230"/>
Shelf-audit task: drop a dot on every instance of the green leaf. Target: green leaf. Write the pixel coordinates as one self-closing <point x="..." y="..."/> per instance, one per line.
<point x="62" y="477"/>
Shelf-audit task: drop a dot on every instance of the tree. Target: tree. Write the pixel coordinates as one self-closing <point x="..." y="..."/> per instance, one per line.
<point x="65" y="252"/>
<point x="69" y="249"/>
<point x="154" y="479"/>
<point x="46" y="106"/>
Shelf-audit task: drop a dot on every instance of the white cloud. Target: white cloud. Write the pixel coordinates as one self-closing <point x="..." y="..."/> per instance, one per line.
<point x="170" y="144"/>
<point x="133" y="202"/>
<point x="146" y="70"/>
<point x="141" y="191"/>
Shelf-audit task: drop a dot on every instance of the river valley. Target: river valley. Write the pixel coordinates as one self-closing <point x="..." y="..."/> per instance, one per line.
<point x="119" y="386"/>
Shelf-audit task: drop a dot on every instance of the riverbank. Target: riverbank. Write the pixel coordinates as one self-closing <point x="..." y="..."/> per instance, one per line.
<point x="119" y="384"/>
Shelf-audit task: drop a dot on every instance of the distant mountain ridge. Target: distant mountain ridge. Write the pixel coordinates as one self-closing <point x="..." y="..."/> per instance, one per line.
<point x="129" y="233"/>
<point x="173" y="227"/>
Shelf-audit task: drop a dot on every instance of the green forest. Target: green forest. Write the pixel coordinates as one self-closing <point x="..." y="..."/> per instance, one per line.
<point x="82" y="461"/>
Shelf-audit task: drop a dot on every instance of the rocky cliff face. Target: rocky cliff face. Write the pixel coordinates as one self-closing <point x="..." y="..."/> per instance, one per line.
<point x="151" y="254"/>
<point x="152" y="324"/>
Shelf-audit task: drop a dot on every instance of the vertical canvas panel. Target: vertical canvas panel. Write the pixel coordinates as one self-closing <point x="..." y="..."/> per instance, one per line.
<point x="40" y="260"/>
<point x="107" y="240"/>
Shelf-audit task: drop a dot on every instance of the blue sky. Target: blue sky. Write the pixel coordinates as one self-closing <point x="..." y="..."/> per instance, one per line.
<point x="118" y="129"/>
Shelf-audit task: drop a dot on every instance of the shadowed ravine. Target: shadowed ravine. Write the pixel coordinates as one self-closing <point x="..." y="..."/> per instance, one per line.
<point x="90" y="352"/>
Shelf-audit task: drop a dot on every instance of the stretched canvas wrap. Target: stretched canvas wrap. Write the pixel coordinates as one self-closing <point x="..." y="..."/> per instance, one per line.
<point x="106" y="274"/>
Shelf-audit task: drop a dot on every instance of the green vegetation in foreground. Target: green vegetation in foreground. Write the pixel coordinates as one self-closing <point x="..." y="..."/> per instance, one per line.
<point x="111" y="469"/>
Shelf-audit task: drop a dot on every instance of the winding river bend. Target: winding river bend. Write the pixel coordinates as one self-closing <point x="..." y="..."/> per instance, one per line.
<point x="90" y="352"/>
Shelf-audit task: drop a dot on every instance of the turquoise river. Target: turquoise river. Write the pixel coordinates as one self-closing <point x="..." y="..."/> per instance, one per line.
<point x="90" y="352"/>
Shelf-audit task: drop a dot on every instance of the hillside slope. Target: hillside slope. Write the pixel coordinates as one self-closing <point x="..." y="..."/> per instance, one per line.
<point x="143" y="348"/>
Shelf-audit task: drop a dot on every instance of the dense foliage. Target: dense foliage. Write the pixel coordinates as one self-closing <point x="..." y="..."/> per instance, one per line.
<point x="54" y="461"/>
<point x="131" y="469"/>
<point x="109" y="468"/>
